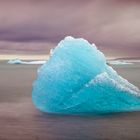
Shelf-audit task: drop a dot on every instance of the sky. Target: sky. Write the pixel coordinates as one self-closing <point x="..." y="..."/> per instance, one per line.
<point x="36" y="26"/>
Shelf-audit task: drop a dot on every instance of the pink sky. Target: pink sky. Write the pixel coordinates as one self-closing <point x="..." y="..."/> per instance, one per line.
<point x="35" y="26"/>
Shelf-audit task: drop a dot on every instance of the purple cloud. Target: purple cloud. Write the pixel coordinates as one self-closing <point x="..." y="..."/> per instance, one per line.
<point x="111" y="24"/>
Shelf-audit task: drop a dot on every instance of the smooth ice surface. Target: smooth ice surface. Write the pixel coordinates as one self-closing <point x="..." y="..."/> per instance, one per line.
<point x="77" y="80"/>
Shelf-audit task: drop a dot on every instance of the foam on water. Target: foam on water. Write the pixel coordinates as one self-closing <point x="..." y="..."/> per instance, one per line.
<point x="77" y="80"/>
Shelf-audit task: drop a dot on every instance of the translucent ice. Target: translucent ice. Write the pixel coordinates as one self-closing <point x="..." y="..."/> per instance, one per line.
<point x="77" y="80"/>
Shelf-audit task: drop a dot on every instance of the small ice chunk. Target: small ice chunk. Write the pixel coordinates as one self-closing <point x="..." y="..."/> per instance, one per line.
<point x="18" y="61"/>
<point x="119" y="62"/>
<point x="15" y="61"/>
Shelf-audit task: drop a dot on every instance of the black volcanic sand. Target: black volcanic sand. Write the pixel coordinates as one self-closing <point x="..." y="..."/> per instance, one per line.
<point x="20" y="120"/>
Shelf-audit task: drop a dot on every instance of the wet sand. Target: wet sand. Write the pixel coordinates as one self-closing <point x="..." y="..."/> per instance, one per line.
<point x="19" y="120"/>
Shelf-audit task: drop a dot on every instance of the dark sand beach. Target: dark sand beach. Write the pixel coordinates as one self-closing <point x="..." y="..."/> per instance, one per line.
<point x="20" y="120"/>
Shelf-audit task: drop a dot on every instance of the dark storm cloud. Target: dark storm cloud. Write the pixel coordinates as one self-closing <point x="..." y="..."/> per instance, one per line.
<point x="111" y="24"/>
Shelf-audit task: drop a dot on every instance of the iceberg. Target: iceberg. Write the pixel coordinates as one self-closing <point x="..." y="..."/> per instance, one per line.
<point x="119" y="62"/>
<point x="14" y="61"/>
<point x="77" y="80"/>
<point x="34" y="62"/>
<point x="18" y="61"/>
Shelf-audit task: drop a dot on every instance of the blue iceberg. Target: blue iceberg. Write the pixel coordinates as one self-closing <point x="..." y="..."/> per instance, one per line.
<point x="77" y="80"/>
<point x="14" y="61"/>
<point x="18" y="61"/>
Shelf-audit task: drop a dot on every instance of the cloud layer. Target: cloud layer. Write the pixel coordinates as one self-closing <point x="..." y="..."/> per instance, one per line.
<point x="35" y="26"/>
